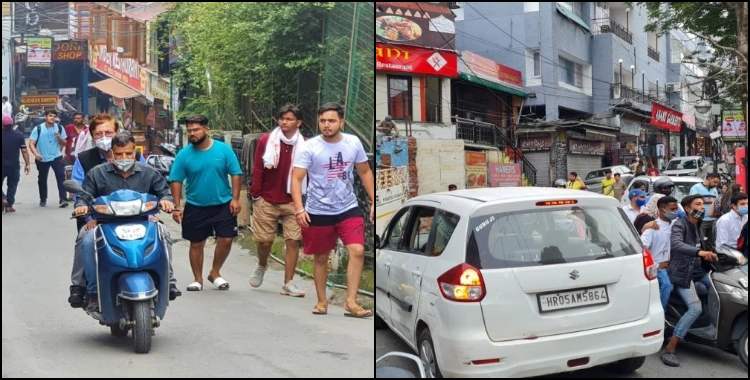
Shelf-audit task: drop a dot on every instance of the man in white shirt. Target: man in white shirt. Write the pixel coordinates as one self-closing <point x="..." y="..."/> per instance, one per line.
<point x="7" y="107"/>
<point x="657" y="238"/>
<point x="729" y="226"/>
<point x="637" y="200"/>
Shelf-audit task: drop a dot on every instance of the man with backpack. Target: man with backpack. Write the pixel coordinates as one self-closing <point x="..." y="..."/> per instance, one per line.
<point x="46" y="144"/>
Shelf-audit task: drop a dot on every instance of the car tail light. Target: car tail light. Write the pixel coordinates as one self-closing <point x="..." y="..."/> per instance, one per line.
<point x="649" y="266"/>
<point x="561" y="202"/>
<point x="462" y="283"/>
<point x="652" y="333"/>
<point x="485" y="361"/>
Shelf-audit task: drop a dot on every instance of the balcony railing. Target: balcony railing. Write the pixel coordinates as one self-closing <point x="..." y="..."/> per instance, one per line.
<point x="653" y="54"/>
<point x="623" y="92"/>
<point x="608" y="25"/>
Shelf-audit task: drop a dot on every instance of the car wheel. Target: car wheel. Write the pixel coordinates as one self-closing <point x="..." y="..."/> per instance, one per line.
<point x="628" y="366"/>
<point x="427" y="354"/>
<point x="741" y="347"/>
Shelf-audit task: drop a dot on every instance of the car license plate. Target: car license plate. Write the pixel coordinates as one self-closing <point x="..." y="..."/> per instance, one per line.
<point x="130" y="231"/>
<point x="571" y="299"/>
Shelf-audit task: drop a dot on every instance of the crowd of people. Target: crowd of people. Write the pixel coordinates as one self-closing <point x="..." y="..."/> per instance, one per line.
<point x="306" y="185"/>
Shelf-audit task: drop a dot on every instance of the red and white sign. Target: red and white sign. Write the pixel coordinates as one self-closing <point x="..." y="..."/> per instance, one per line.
<point x="488" y="69"/>
<point x="501" y="175"/>
<point x="125" y="70"/>
<point x="665" y="118"/>
<point x="409" y="59"/>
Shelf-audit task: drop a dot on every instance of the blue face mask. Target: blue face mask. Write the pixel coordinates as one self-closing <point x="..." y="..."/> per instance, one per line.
<point x="742" y="211"/>
<point x="640" y="202"/>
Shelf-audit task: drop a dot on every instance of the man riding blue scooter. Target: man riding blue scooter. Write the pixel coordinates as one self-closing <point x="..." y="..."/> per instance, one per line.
<point x="121" y="173"/>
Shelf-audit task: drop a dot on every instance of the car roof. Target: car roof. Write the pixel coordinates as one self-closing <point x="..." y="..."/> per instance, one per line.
<point x="685" y="158"/>
<point x="465" y="201"/>
<point x="672" y="178"/>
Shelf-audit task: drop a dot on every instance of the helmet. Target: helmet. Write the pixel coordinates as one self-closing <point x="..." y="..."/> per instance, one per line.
<point x="162" y="164"/>
<point x="560" y="183"/>
<point x="663" y="185"/>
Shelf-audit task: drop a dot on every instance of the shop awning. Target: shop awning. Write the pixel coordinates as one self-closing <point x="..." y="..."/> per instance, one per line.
<point x="491" y="85"/>
<point x="115" y="88"/>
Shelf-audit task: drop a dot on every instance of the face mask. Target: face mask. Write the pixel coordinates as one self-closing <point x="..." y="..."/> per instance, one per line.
<point x="670" y="215"/>
<point x="742" y="211"/>
<point x="698" y="214"/>
<point x="640" y="202"/>
<point x="124" y="165"/>
<point x="104" y="143"/>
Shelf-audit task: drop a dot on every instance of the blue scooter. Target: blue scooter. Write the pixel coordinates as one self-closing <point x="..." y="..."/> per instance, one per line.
<point x="132" y="263"/>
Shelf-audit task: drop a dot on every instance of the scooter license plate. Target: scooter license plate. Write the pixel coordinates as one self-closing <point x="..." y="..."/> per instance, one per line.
<point x="130" y="231"/>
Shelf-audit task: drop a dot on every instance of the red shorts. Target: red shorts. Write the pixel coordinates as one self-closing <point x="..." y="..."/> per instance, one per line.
<point x="319" y="240"/>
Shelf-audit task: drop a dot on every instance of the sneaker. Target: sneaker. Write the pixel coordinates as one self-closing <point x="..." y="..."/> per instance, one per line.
<point x="63" y="204"/>
<point x="257" y="278"/>
<point x="76" y="296"/>
<point x="670" y="359"/>
<point x="291" y="289"/>
<point x="42" y="203"/>
<point x="174" y="292"/>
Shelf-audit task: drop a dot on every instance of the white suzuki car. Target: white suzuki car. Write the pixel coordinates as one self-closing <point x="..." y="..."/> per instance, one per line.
<point x="503" y="282"/>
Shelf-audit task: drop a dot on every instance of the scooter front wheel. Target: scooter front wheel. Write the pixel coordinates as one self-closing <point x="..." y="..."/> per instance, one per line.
<point x="143" y="328"/>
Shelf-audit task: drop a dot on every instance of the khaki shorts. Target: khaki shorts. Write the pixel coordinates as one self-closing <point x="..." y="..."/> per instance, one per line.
<point x="266" y="217"/>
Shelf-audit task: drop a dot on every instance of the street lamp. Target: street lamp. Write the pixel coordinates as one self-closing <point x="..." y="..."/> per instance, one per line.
<point x="632" y="77"/>
<point x="620" y="84"/>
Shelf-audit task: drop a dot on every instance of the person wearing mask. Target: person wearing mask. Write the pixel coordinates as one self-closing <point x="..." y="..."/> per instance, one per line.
<point x="13" y="142"/>
<point x="72" y="131"/>
<point x="708" y="190"/>
<point x="574" y="182"/>
<point x="729" y="226"/>
<point x="608" y="184"/>
<point x="637" y="200"/>
<point x="656" y="237"/>
<point x="686" y="252"/>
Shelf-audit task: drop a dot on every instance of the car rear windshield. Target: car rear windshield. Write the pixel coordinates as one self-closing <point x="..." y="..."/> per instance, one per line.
<point x="547" y="236"/>
<point x="680" y="165"/>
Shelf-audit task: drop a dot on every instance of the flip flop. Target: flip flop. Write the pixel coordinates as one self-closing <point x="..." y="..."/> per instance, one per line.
<point x="358" y="312"/>
<point x="195" y="287"/>
<point x="320" y="310"/>
<point x="219" y="283"/>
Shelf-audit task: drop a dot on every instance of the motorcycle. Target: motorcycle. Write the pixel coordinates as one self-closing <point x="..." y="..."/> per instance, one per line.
<point x="385" y="367"/>
<point x="132" y="264"/>
<point x="723" y="323"/>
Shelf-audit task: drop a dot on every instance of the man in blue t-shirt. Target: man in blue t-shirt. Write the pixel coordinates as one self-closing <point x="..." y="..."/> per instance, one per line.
<point x="46" y="144"/>
<point x="212" y="204"/>
<point x="708" y="189"/>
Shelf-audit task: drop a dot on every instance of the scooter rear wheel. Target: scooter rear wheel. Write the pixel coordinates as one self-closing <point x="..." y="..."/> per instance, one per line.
<point x="143" y="328"/>
<point x="742" y="348"/>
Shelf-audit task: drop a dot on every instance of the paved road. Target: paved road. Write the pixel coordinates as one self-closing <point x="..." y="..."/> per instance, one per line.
<point x="242" y="332"/>
<point x="696" y="361"/>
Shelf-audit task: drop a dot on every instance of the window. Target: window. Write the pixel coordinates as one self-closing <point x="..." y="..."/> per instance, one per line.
<point x="433" y="99"/>
<point x="537" y="64"/>
<point x="571" y="72"/>
<point x="445" y="224"/>
<point x="396" y="230"/>
<point x="399" y="97"/>
<point x="420" y="230"/>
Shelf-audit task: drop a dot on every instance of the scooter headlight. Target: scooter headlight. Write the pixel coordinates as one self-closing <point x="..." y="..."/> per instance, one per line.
<point x="148" y="206"/>
<point x="127" y="208"/>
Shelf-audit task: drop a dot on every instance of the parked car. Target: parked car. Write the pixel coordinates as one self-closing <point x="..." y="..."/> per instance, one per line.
<point x="594" y="178"/>
<point x="682" y="186"/>
<point x="506" y="282"/>
<point x="693" y="166"/>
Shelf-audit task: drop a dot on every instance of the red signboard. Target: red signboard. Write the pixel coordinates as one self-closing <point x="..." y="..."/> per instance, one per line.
<point x="409" y="59"/>
<point x="504" y="174"/>
<point x="506" y="74"/>
<point x="665" y="118"/>
<point x="489" y="69"/>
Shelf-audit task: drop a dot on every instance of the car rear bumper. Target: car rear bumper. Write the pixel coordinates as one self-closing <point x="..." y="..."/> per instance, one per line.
<point x="550" y="354"/>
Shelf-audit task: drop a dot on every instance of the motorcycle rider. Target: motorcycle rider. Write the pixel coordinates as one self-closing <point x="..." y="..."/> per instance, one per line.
<point x="103" y="180"/>
<point x="686" y="252"/>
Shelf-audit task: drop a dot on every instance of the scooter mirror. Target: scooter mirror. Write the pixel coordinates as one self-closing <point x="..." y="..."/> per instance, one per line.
<point x="72" y="186"/>
<point x="412" y="362"/>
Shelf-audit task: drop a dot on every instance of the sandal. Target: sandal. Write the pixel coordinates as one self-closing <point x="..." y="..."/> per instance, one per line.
<point x="219" y="283"/>
<point x="195" y="287"/>
<point x="357" y="312"/>
<point x="320" y="310"/>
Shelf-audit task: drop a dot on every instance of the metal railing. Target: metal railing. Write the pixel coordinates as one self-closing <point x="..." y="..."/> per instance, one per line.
<point x="617" y="91"/>
<point x="479" y="132"/>
<point x="608" y="25"/>
<point x="653" y="53"/>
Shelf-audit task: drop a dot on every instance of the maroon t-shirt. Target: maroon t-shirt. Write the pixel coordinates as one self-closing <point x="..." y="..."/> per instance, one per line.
<point x="72" y="133"/>
<point x="270" y="184"/>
